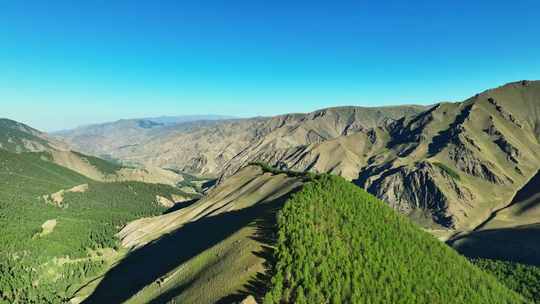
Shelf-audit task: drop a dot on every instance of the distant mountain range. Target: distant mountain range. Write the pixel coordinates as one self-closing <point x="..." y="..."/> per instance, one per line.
<point x="467" y="172"/>
<point x="448" y="166"/>
<point x="16" y="137"/>
<point x="146" y="122"/>
<point x="207" y="146"/>
<point x="60" y="211"/>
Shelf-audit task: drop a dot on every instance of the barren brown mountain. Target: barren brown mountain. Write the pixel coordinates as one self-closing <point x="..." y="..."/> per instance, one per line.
<point x="448" y="166"/>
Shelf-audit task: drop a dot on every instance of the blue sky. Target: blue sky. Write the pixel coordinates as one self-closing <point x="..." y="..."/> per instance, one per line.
<point x="67" y="63"/>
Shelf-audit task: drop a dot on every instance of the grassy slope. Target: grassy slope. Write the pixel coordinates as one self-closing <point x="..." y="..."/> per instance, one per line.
<point x="202" y="253"/>
<point x="49" y="268"/>
<point x="347" y="247"/>
<point x="339" y="244"/>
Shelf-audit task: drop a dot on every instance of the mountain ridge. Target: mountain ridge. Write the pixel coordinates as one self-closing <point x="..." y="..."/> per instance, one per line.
<point x="204" y="149"/>
<point x="19" y="138"/>
<point x="439" y="164"/>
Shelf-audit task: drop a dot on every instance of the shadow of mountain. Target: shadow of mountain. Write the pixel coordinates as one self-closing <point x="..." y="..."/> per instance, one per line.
<point x="443" y="138"/>
<point x="147" y="264"/>
<point x="179" y="206"/>
<point x="208" y="184"/>
<point x="411" y="132"/>
<point x="266" y="234"/>
<point x="529" y="195"/>
<point x="518" y="244"/>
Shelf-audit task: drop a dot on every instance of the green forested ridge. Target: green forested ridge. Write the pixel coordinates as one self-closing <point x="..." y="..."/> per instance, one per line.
<point x="524" y="279"/>
<point x="338" y="244"/>
<point x="48" y="268"/>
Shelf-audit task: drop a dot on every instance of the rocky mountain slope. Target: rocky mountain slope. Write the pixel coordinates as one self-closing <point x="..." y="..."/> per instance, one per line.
<point x="449" y="166"/>
<point x="104" y="139"/>
<point x="460" y="161"/>
<point x="205" y="147"/>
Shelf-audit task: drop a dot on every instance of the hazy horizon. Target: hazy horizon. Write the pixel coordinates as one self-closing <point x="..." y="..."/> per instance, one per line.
<point x="67" y="64"/>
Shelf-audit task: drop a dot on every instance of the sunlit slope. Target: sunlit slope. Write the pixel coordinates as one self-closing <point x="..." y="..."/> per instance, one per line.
<point x="449" y="167"/>
<point x="331" y="235"/>
<point x="57" y="227"/>
<point x="204" y="252"/>
<point x="212" y="148"/>
<point x="461" y="161"/>
<point x="339" y="244"/>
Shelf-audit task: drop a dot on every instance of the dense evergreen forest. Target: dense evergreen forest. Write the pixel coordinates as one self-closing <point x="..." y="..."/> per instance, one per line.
<point x="338" y="244"/>
<point x="43" y="263"/>
<point x="335" y="243"/>
<point x="524" y="279"/>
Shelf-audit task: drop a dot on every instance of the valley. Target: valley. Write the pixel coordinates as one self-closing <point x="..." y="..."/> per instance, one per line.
<point x="420" y="204"/>
<point x="449" y="166"/>
<point x="269" y="152"/>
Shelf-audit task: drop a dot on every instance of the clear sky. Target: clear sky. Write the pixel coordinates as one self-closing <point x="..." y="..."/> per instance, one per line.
<point x="67" y="63"/>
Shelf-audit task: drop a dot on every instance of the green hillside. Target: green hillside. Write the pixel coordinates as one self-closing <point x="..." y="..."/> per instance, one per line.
<point x="518" y="277"/>
<point x="338" y="244"/>
<point x="48" y="249"/>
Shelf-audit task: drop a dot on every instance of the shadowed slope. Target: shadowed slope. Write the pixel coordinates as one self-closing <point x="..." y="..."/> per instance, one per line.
<point x="201" y="253"/>
<point x="512" y="233"/>
<point x="146" y="265"/>
<point x="516" y="244"/>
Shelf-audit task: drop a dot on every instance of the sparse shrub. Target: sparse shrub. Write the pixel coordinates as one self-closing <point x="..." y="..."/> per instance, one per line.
<point x="267" y="168"/>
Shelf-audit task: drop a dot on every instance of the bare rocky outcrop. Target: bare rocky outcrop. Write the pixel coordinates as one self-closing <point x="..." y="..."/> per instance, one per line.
<point x="208" y="148"/>
<point x="512" y="153"/>
<point x="467" y="161"/>
<point x="422" y="186"/>
<point x="47" y="228"/>
<point x="456" y="162"/>
<point x="57" y="198"/>
<point x="506" y="115"/>
<point x="163" y="201"/>
<point x="249" y="300"/>
<point x="170" y="202"/>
